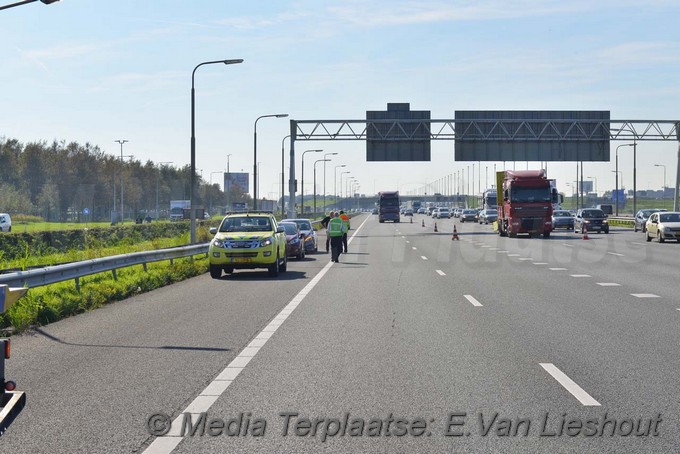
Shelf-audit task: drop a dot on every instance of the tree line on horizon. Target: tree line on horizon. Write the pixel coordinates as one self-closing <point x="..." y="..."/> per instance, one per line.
<point x="58" y="181"/>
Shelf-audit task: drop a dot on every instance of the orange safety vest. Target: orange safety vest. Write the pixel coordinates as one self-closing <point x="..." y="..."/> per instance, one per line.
<point x="345" y="220"/>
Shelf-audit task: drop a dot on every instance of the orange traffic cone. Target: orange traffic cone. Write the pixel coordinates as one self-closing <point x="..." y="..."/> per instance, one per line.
<point x="585" y="231"/>
<point x="423" y="222"/>
<point x="435" y="227"/>
<point x="455" y="234"/>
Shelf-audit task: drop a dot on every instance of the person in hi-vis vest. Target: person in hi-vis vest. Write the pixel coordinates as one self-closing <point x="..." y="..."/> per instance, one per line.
<point x="335" y="230"/>
<point x="345" y="221"/>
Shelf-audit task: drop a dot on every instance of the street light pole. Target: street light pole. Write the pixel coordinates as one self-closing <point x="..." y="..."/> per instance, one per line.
<point x="158" y="184"/>
<point x="324" y="163"/>
<point x="663" y="191"/>
<point x="341" y="174"/>
<point x="335" y="184"/>
<point x="617" y="175"/>
<point x="122" y="211"/>
<point x="302" y="188"/>
<point x="193" y="143"/>
<point x="283" y="189"/>
<point x="255" y="154"/>
<point x="324" y="180"/>
<point x="227" y="185"/>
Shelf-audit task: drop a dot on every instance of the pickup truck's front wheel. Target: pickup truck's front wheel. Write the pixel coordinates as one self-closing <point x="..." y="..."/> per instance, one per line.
<point x="274" y="267"/>
<point x="215" y="271"/>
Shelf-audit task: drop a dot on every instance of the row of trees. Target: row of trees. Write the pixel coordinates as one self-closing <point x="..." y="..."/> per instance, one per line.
<point x="58" y="181"/>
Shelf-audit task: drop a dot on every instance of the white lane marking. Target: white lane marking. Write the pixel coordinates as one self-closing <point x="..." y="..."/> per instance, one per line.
<point x="440" y="272"/>
<point x="525" y="258"/>
<point x="567" y="245"/>
<point x="570" y="385"/>
<point x="608" y="284"/>
<point x="540" y="263"/>
<point x="167" y="443"/>
<point x="485" y="245"/>
<point x="423" y="257"/>
<point x="472" y="300"/>
<point x="557" y="269"/>
<point x="513" y="255"/>
<point x="645" y="295"/>
<point x="414" y="248"/>
<point x="579" y="275"/>
<point x="408" y="242"/>
<point x="403" y="236"/>
<point x="638" y="244"/>
<point x="616" y="254"/>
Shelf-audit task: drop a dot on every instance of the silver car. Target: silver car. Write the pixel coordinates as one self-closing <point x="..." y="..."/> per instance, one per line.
<point x="663" y="226"/>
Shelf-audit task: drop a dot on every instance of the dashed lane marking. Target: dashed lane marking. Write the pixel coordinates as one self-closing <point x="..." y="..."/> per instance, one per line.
<point x="570" y="385"/>
<point x="472" y="300"/>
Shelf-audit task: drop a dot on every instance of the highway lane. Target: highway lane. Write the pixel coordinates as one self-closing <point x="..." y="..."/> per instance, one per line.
<point x="406" y="341"/>
<point x="391" y="329"/>
<point x="91" y="380"/>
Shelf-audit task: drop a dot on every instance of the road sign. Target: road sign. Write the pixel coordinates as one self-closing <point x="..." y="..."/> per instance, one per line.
<point x="86" y="211"/>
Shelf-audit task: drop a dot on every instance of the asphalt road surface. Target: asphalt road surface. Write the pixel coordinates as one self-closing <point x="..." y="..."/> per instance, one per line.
<point x="413" y="343"/>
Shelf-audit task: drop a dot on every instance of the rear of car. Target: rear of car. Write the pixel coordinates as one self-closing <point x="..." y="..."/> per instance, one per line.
<point x="309" y="238"/>
<point x="293" y="240"/>
<point x="488" y="216"/>
<point x="247" y="241"/>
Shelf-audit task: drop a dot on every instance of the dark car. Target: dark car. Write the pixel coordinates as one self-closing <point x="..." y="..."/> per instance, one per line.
<point x="468" y="215"/>
<point x="563" y="219"/>
<point x="641" y="218"/>
<point x="294" y="240"/>
<point x="309" y="235"/>
<point x="591" y="219"/>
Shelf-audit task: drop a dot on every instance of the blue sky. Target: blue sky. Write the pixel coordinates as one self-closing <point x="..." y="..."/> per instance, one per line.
<point x="97" y="71"/>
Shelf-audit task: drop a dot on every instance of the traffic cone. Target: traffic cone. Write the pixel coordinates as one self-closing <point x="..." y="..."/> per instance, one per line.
<point x="435" y="227"/>
<point x="455" y="234"/>
<point x="585" y="231"/>
<point x="423" y="222"/>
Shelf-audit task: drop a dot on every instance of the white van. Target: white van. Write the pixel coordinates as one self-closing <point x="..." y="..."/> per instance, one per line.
<point x="5" y="222"/>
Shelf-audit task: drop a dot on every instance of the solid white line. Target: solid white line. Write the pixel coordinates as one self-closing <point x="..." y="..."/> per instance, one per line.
<point x="616" y="254"/>
<point x="579" y="275"/>
<point x="423" y="257"/>
<point x="608" y="284"/>
<point x="440" y="272"/>
<point x="167" y="443"/>
<point x="645" y="295"/>
<point x="472" y="300"/>
<point x="557" y="269"/>
<point x="571" y="386"/>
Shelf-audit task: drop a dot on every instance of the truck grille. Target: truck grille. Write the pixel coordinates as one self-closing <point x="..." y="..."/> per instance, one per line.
<point x="241" y="254"/>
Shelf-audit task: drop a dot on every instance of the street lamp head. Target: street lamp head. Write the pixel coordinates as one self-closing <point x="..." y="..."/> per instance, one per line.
<point x="233" y="61"/>
<point x="281" y="115"/>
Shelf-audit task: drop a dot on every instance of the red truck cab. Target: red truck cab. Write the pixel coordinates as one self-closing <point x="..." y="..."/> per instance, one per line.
<point x="525" y="203"/>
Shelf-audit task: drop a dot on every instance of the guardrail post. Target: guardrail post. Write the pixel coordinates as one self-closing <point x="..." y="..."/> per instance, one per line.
<point x="77" y="284"/>
<point x="144" y="265"/>
<point x="115" y="275"/>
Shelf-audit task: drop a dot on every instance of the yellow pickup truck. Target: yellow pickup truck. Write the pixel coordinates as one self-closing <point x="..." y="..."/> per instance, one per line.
<point x="248" y="240"/>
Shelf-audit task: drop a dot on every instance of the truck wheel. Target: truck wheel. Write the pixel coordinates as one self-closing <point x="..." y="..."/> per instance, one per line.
<point x="215" y="271"/>
<point x="228" y="269"/>
<point x="546" y="234"/>
<point x="274" y="267"/>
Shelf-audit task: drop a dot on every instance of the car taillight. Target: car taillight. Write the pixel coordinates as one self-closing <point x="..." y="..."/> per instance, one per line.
<point x="10" y="386"/>
<point x="7" y="348"/>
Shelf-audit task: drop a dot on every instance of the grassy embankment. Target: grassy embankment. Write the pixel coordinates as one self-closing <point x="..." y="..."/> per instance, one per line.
<point x="46" y="304"/>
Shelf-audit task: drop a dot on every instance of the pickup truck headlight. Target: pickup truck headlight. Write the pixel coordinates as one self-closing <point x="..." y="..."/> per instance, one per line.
<point x="605" y="222"/>
<point x="266" y="242"/>
<point x="218" y="243"/>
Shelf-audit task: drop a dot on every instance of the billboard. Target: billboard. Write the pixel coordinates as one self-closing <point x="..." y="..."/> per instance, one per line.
<point x="552" y="135"/>
<point x="236" y="182"/>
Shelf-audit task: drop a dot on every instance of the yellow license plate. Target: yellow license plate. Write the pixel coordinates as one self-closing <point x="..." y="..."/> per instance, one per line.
<point x="241" y="260"/>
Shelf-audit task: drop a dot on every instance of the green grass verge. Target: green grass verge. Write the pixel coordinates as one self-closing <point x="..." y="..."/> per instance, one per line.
<point x="43" y="305"/>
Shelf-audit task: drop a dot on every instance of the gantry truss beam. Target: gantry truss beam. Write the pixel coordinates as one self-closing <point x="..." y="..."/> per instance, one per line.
<point x="476" y="130"/>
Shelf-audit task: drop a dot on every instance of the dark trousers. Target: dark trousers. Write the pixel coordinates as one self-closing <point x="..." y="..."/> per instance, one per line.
<point x="344" y="242"/>
<point x="336" y="248"/>
<point x="328" y="240"/>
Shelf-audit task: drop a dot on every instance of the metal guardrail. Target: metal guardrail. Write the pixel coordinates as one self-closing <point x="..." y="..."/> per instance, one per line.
<point x="76" y="270"/>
